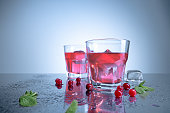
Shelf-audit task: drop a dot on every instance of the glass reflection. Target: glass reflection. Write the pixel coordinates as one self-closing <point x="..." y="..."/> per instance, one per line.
<point x="77" y="91"/>
<point x="92" y="101"/>
<point x="105" y="103"/>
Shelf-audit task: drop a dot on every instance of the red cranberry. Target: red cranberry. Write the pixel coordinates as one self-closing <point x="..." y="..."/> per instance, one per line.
<point x="78" y="80"/>
<point x="120" y="88"/>
<point x="132" y="92"/>
<point x="126" y="86"/>
<point x="70" y="88"/>
<point x="118" y="93"/>
<point x="70" y="82"/>
<point x="89" y="86"/>
<point x="118" y="101"/>
<point x="108" y="51"/>
<point x="59" y="86"/>
<point x="58" y="81"/>
<point x="79" y="51"/>
<point x="88" y="92"/>
<point x="132" y="99"/>
<point x="78" y="84"/>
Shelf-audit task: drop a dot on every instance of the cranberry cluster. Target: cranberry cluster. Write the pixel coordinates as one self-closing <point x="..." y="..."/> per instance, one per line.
<point x="118" y="93"/>
<point x="70" y="83"/>
<point x="126" y="87"/>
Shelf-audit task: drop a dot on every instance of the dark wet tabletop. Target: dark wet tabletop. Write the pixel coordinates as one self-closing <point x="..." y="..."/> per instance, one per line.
<point x="53" y="100"/>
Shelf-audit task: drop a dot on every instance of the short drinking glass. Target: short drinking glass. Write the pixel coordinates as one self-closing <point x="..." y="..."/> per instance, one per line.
<point x="76" y="61"/>
<point x="107" y="59"/>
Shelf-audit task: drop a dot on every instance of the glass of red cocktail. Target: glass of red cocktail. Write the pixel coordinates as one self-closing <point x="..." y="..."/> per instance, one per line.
<point x="107" y="60"/>
<point x="76" y="61"/>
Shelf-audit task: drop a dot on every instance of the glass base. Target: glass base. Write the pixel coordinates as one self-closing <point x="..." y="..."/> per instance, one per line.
<point x="74" y="76"/>
<point x="105" y="87"/>
<point x="134" y="83"/>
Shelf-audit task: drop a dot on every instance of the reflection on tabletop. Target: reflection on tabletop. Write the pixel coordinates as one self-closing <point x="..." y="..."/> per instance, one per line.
<point x="93" y="101"/>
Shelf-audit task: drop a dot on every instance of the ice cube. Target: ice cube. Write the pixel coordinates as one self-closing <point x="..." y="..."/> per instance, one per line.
<point x="79" y="51"/>
<point x="134" y="75"/>
<point x="107" y="72"/>
<point x="79" y="55"/>
<point x="83" y="61"/>
<point x="105" y="59"/>
<point x="108" y="51"/>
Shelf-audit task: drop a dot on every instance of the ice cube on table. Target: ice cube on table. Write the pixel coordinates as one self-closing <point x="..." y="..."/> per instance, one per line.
<point x="134" y="75"/>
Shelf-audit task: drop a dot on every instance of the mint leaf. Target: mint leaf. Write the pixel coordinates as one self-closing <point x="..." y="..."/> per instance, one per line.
<point x="144" y="94"/>
<point x="32" y="94"/>
<point x="73" y="107"/>
<point x="139" y="90"/>
<point x="141" y="84"/>
<point x="28" y="99"/>
<point x="147" y="88"/>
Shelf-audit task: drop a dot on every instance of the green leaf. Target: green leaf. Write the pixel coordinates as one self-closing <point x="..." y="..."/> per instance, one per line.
<point x="141" y="84"/>
<point x="144" y="94"/>
<point x="27" y="101"/>
<point x="32" y="94"/>
<point x="147" y="88"/>
<point x="73" y="107"/>
<point x="139" y="90"/>
<point x="26" y="92"/>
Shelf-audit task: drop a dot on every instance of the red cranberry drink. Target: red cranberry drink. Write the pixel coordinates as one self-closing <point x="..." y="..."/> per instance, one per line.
<point x="106" y="67"/>
<point x="76" y="62"/>
<point x="107" y="60"/>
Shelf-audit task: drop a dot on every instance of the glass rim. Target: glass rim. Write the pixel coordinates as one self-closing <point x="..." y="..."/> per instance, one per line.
<point x="107" y="39"/>
<point x="75" y="45"/>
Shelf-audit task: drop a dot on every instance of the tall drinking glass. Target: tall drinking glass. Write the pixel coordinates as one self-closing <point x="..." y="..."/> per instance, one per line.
<point x="76" y="61"/>
<point x="107" y="60"/>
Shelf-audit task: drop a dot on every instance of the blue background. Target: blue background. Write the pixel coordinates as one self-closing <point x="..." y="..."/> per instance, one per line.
<point x="33" y="32"/>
